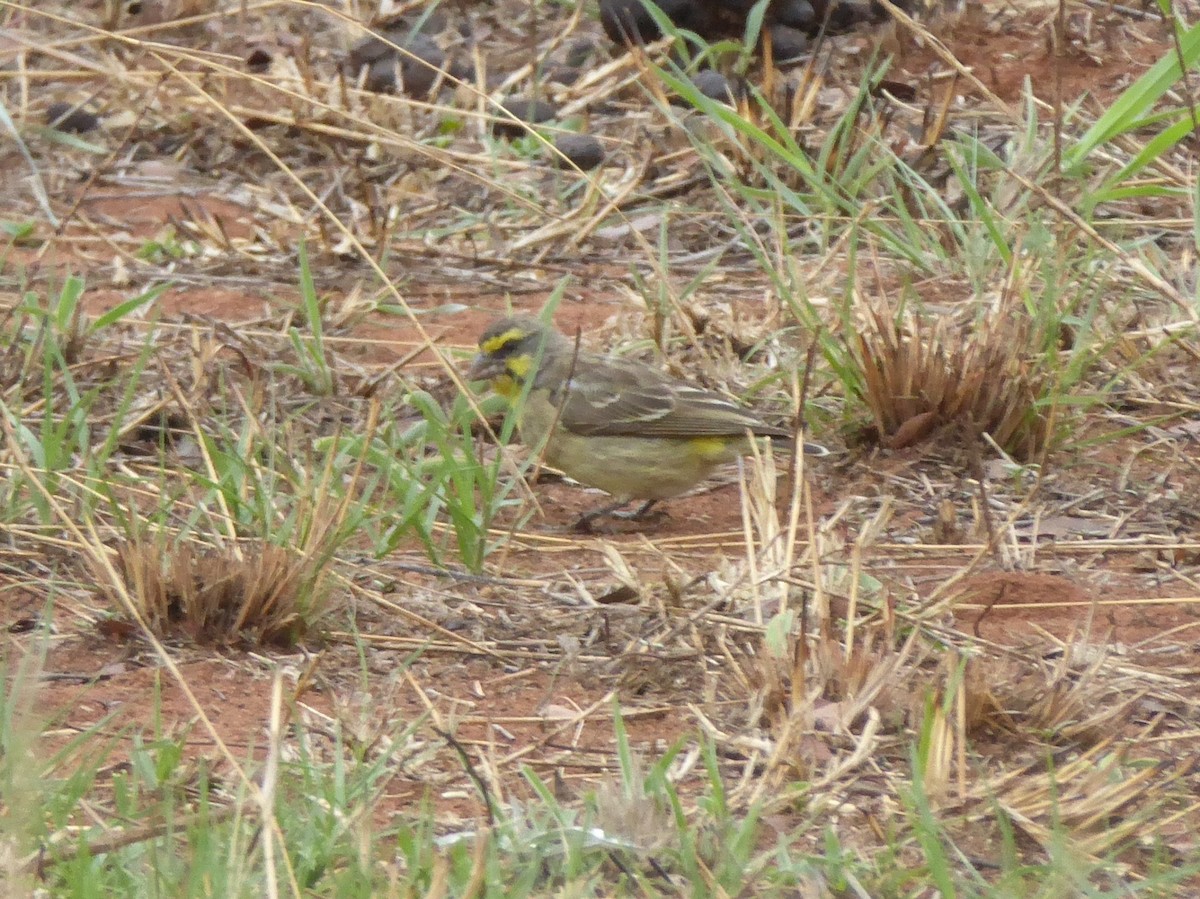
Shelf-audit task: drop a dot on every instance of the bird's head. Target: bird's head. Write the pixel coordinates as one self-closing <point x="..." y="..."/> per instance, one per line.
<point x="510" y="352"/>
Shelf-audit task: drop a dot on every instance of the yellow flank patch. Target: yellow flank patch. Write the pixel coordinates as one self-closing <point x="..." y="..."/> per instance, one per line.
<point x="497" y="343"/>
<point x="709" y="447"/>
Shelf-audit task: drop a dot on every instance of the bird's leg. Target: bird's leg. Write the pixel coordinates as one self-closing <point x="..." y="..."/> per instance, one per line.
<point x="641" y="513"/>
<point x="585" y="523"/>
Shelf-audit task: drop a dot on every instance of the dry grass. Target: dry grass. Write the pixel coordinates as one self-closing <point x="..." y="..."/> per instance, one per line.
<point x="980" y="378"/>
<point x="829" y="718"/>
<point x="262" y="594"/>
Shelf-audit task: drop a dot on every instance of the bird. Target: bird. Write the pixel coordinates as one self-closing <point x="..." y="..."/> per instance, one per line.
<point x="613" y="423"/>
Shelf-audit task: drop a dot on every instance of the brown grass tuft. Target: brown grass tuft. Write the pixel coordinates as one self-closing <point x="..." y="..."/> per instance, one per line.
<point x="263" y="593"/>
<point x="1099" y="798"/>
<point x="918" y="377"/>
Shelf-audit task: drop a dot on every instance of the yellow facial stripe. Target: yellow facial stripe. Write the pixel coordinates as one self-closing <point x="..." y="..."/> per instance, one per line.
<point x="518" y="367"/>
<point x="709" y="447"/>
<point x="497" y="343"/>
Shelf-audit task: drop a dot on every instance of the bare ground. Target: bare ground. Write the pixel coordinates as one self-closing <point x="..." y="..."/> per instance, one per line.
<point x="1077" y="604"/>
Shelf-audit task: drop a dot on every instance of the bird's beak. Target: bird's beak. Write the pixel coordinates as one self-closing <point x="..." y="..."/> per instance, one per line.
<point x="484" y="369"/>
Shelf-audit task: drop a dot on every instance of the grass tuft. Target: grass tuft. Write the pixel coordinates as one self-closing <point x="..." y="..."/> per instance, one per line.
<point x="260" y="593"/>
<point x="919" y="377"/>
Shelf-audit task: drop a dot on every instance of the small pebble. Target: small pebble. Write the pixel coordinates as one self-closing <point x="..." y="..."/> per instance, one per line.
<point x="846" y="14"/>
<point x="419" y="68"/>
<point x="582" y="149"/>
<point x="464" y="70"/>
<point x="713" y="85"/>
<point x="795" y="14"/>
<point x="627" y="21"/>
<point x="258" y="60"/>
<point x="579" y="51"/>
<point x="561" y="75"/>
<point x="66" y="117"/>
<point x="372" y="48"/>
<point x="528" y="112"/>
<point x="787" y="44"/>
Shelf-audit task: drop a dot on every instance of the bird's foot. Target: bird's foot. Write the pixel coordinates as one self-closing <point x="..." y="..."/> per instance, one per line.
<point x="586" y="524"/>
<point x="644" y="512"/>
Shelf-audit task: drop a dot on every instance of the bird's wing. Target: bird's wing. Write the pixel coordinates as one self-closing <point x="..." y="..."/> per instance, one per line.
<point x="624" y="398"/>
